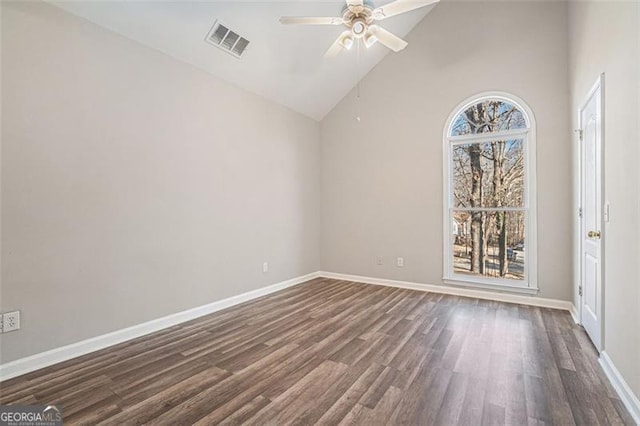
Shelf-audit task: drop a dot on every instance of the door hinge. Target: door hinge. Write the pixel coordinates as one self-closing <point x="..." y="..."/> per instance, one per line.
<point x="580" y="212"/>
<point x="580" y="133"/>
<point x="579" y="290"/>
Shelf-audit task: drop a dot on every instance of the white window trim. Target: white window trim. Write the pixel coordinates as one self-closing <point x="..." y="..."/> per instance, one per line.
<point x="530" y="283"/>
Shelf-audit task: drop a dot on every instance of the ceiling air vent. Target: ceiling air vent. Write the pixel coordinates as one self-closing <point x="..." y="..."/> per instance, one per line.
<point x="229" y="41"/>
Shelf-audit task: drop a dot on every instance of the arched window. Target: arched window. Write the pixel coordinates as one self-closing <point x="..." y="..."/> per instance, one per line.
<point x="490" y="216"/>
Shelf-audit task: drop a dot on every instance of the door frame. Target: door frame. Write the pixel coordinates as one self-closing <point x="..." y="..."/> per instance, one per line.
<point x="599" y="84"/>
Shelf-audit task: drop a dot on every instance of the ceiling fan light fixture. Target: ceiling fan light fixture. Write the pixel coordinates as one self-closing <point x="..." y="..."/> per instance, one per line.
<point x="370" y="39"/>
<point x="359" y="28"/>
<point x="347" y="42"/>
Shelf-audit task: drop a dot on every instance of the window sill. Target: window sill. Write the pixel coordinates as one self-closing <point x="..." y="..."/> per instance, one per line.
<point x="491" y="286"/>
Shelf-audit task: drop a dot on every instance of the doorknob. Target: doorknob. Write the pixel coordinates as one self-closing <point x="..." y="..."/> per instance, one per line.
<point x="594" y="234"/>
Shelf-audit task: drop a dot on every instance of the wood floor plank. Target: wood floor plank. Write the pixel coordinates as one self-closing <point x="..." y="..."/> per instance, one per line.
<point x="345" y="403"/>
<point x="155" y="406"/>
<point x="300" y="397"/>
<point x="155" y="383"/>
<point x="473" y="403"/>
<point x="243" y="414"/>
<point x="453" y="401"/>
<point x="379" y="388"/>
<point x="332" y="352"/>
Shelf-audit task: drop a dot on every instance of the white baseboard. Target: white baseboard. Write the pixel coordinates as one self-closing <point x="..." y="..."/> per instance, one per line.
<point x="575" y="314"/>
<point x="456" y="291"/>
<point x="64" y="353"/>
<point x="627" y="396"/>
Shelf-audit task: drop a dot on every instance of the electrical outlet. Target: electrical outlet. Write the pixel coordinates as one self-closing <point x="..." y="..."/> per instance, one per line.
<point x="11" y="321"/>
<point x="379" y="260"/>
<point x="265" y="267"/>
<point x="400" y="262"/>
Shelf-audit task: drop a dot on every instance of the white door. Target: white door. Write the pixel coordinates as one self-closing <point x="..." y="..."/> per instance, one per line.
<point x="591" y="224"/>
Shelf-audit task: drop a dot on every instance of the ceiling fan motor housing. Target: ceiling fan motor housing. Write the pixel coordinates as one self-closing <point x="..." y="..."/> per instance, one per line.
<point x="358" y="17"/>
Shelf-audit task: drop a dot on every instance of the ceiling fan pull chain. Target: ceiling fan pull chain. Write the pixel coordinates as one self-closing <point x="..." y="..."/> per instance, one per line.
<point x="358" y="81"/>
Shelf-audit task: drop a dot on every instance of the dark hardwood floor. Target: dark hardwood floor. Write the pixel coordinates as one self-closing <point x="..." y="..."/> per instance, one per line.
<point x="335" y="352"/>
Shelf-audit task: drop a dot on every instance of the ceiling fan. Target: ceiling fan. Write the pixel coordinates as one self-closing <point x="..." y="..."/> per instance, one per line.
<point x="359" y="16"/>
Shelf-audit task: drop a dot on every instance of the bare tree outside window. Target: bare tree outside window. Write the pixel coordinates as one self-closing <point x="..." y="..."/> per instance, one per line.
<point x="487" y="191"/>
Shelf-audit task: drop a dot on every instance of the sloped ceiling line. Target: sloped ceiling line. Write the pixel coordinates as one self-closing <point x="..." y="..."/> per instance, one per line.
<point x="284" y="64"/>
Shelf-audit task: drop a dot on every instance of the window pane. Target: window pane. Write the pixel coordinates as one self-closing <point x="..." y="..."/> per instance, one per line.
<point x="488" y="174"/>
<point x="491" y="115"/>
<point x="489" y="244"/>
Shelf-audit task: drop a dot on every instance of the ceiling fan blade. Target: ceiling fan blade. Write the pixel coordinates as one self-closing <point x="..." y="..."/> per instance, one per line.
<point x="388" y="39"/>
<point x="336" y="47"/>
<point x="399" y="6"/>
<point x="304" y="20"/>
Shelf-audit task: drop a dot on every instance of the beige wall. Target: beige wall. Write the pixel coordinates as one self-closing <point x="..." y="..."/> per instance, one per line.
<point x="135" y="186"/>
<point x="604" y="38"/>
<point x="382" y="178"/>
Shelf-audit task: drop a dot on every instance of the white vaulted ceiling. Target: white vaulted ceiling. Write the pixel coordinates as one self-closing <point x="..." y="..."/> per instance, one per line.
<point x="283" y="63"/>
